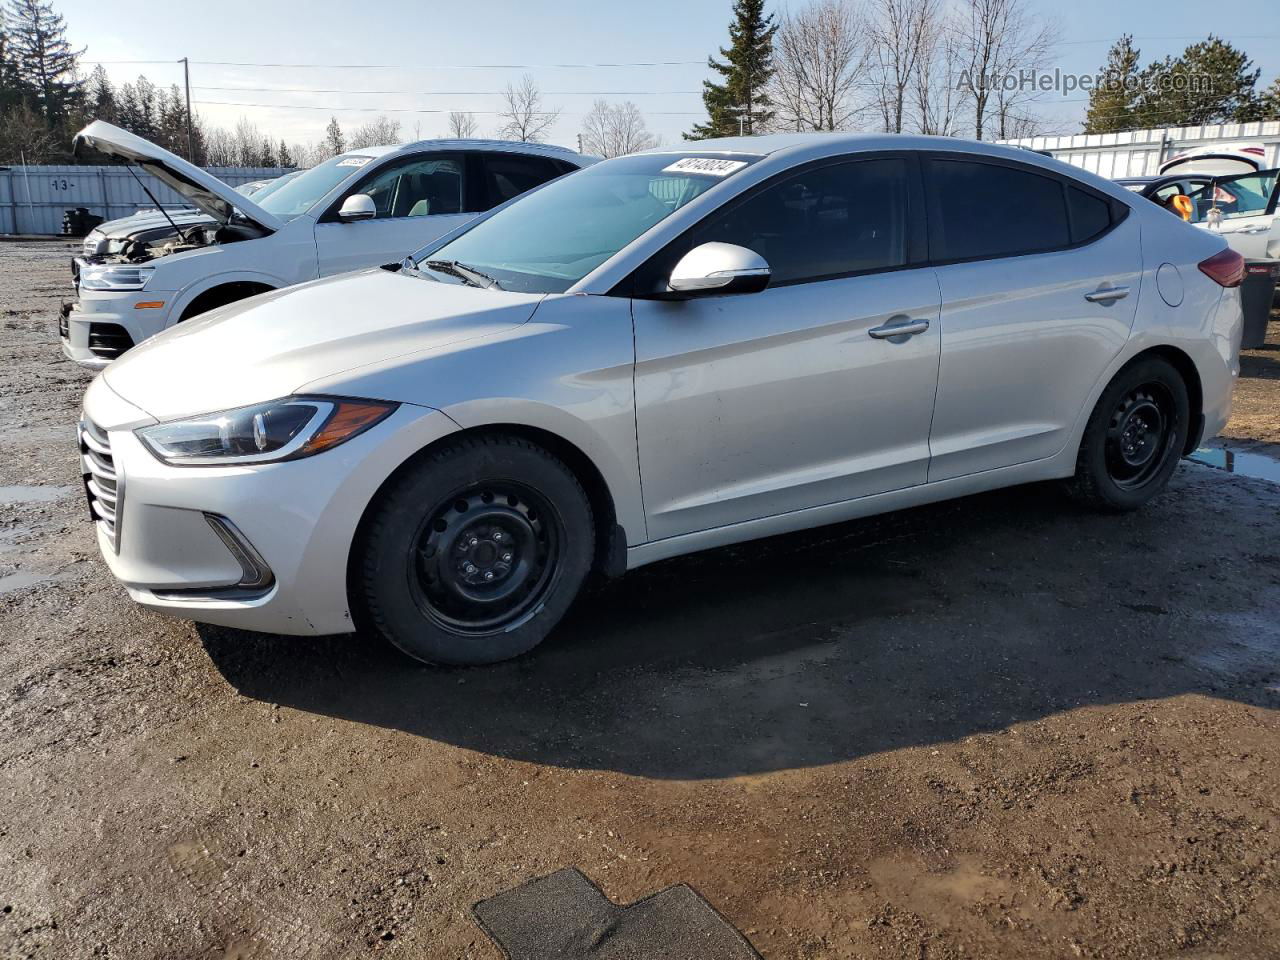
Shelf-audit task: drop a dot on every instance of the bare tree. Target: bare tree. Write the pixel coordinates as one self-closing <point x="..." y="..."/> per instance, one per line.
<point x="898" y="36"/>
<point x="819" y="64"/>
<point x="611" y="130"/>
<point x="462" y="126"/>
<point x="375" y="133"/>
<point x="938" y="97"/>
<point x="522" y="114"/>
<point x="1003" y="42"/>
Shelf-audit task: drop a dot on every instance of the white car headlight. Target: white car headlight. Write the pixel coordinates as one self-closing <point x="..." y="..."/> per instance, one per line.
<point x="284" y="429"/>
<point x="114" y="276"/>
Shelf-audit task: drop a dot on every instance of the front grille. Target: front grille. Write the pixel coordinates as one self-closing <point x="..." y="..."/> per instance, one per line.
<point x="108" y="340"/>
<point x="102" y="481"/>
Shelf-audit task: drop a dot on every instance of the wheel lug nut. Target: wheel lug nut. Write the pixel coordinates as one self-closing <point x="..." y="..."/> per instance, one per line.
<point x="488" y="574"/>
<point x="497" y="535"/>
<point x="470" y="568"/>
<point x="473" y="542"/>
<point x="506" y="558"/>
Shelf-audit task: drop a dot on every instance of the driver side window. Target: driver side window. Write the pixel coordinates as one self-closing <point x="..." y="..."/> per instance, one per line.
<point x="416" y="187"/>
<point x="828" y="221"/>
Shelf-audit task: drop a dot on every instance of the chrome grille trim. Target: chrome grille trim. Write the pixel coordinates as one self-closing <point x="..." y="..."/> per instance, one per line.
<point x="103" y="483"/>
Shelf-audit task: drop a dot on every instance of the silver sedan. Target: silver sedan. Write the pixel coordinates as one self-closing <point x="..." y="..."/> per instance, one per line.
<point x="663" y="353"/>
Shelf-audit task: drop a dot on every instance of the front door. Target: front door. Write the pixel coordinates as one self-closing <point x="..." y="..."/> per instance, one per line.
<point x="418" y="198"/>
<point x="759" y="404"/>
<point x="1242" y="209"/>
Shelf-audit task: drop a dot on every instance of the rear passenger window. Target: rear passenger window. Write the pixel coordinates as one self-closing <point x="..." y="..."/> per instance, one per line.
<point x="987" y="210"/>
<point x="826" y="222"/>
<point x="509" y="175"/>
<point x="1090" y="215"/>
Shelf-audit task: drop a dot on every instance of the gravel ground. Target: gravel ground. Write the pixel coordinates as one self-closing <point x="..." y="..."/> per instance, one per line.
<point x="998" y="727"/>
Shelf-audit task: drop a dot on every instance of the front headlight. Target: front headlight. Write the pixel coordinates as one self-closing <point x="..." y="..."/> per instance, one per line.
<point x="279" y="430"/>
<point x="114" y="276"/>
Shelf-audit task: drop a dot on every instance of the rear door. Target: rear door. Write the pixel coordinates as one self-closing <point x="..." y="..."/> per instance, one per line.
<point x="507" y="175"/>
<point x="418" y="197"/>
<point x="1040" y="279"/>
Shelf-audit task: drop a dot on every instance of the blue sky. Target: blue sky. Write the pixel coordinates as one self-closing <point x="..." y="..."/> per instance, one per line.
<point x="432" y="43"/>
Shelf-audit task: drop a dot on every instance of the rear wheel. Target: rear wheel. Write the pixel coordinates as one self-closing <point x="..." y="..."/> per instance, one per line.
<point x="475" y="553"/>
<point x="1134" y="437"/>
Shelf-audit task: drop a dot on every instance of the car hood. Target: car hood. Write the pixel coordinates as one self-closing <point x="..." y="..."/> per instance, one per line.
<point x="271" y="345"/>
<point x="218" y="199"/>
<point x="148" y="220"/>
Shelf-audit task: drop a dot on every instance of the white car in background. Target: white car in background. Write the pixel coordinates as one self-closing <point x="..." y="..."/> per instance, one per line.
<point x="1242" y="209"/>
<point x="666" y="352"/>
<point x="362" y="208"/>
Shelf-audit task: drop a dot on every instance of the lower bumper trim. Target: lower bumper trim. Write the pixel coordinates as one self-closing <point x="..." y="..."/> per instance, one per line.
<point x="256" y="575"/>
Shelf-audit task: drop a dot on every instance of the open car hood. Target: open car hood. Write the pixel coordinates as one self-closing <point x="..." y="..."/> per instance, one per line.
<point x="219" y="200"/>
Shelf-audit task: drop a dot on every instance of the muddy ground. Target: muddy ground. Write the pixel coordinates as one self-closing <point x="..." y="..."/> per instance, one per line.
<point x="998" y="727"/>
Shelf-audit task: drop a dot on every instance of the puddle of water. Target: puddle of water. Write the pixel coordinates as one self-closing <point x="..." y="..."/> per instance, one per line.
<point x="16" y="581"/>
<point x="31" y="494"/>
<point x="1234" y="461"/>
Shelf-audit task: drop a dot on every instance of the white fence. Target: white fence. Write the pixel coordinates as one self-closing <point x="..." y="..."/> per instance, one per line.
<point x="33" y="199"/>
<point x="1138" y="153"/>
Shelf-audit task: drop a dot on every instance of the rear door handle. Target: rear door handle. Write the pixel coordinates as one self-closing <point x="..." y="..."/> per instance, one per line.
<point x="1107" y="294"/>
<point x="903" y="327"/>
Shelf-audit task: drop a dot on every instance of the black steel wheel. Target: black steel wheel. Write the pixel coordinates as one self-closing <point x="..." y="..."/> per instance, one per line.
<point x="1134" y="438"/>
<point x="486" y="556"/>
<point x="474" y="551"/>
<point x="1138" y="437"/>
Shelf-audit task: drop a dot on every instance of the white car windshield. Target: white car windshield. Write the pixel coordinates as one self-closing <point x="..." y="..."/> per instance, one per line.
<point x="553" y="237"/>
<point x="301" y="193"/>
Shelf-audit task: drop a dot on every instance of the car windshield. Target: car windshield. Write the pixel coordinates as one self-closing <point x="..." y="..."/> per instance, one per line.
<point x="552" y="238"/>
<point x="301" y="193"/>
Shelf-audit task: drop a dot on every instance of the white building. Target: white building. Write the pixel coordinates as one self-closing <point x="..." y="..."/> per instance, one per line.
<point x="1137" y="153"/>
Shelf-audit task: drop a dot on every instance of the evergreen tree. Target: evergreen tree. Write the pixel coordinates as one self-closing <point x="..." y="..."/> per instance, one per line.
<point x="1269" y="103"/>
<point x="747" y="68"/>
<point x="1112" y="102"/>
<point x="43" y="58"/>
<point x="285" y="158"/>
<point x="12" y="90"/>
<point x="1211" y="82"/>
<point x="333" y="140"/>
<point x="100" y="99"/>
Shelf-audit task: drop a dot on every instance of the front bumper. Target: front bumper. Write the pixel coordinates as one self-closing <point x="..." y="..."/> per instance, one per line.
<point x="256" y="547"/>
<point x="103" y="324"/>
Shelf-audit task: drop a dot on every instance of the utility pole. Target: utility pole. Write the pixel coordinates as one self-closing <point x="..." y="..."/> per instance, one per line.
<point x="186" y="82"/>
<point x="579" y="143"/>
<point x="743" y="113"/>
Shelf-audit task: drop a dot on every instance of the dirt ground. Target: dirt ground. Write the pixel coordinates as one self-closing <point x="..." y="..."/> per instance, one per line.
<point x="998" y="727"/>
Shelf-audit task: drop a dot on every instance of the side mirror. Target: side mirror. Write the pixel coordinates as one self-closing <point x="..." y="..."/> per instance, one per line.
<point x="358" y="206"/>
<point x="719" y="268"/>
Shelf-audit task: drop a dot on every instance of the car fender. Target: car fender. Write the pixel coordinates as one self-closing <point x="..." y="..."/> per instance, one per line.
<point x="620" y="475"/>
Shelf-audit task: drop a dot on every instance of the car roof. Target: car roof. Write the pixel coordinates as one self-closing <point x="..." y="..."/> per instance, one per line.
<point x="496" y="146"/>
<point x="813" y="145"/>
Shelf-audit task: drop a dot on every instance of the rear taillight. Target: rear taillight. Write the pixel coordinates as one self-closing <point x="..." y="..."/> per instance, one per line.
<point x="1225" y="268"/>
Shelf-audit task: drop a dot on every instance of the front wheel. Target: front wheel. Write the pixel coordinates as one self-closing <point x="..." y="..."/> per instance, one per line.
<point x="476" y="551"/>
<point x="1134" y="437"/>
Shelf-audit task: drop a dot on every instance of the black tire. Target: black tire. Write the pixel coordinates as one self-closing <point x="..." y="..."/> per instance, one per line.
<point x="474" y="553"/>
<point x="1134" y="438"/>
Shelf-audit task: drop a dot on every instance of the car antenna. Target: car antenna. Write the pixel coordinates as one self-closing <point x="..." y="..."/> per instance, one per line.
<point x="159" y="205"/>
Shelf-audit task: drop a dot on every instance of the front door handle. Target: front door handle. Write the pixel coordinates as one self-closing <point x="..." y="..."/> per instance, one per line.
<point x="898" y="327"/>
<point x="1107" y="294"/>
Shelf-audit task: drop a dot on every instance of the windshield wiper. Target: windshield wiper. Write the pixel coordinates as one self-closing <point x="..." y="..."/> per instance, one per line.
<point x="463" y="272"/>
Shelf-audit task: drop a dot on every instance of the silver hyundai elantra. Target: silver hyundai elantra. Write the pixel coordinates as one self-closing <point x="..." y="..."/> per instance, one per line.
<point x="665" y="352"/>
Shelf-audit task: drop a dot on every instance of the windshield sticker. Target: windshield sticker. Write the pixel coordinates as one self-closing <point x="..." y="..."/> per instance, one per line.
<point x="706" y="166"/>
<point x="354" y="161"/>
